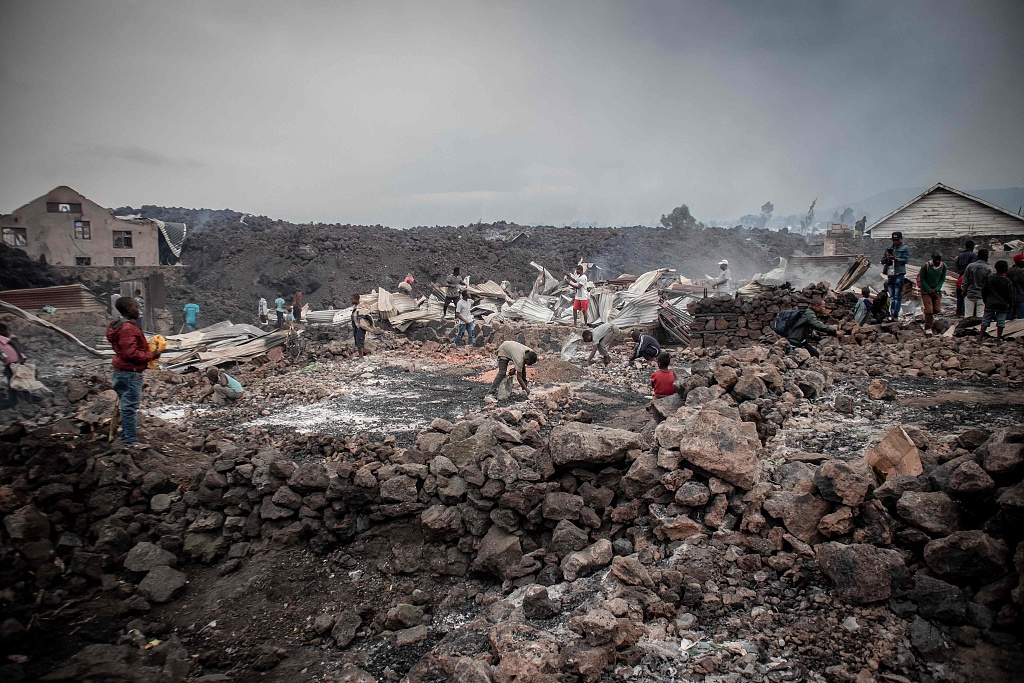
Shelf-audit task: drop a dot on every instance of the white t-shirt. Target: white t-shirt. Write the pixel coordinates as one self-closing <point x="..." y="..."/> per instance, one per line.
<point x="602" y="331"/>
<point x="723" y="282"/>
<point x="463" y="310"/>
<point x="580" y="280"/>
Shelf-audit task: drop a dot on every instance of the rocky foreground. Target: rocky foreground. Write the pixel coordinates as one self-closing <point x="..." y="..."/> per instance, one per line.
<point x="526" y="542"/>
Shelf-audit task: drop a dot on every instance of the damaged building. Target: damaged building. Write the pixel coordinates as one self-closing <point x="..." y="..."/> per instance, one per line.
<point x="943" y="211"/>
<point x="65" y="228"/>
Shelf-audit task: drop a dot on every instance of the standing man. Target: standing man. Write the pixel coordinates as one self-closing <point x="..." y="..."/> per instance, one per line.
<point x="580" y="297"/>
<point x="464" y="317"/>
<point x="297" y="305"/>
<point x="964" y="259"/>
<point x="452" y="285"/>
<point x="263" y="311"/>
<point x="932" y="276"/>
<point x="279" y="309"/>
<point x="724" y="278"/>
<point x="974" y="279"/>
<point x="520" y="356"/>
<point x="1016" y="276"/>
<point x="131" y="356"/>
<point x="141" y="302"/>
<point x="998" y="296"/>
<point x="601" y="336"/>
<point x="896" y="259"/>
<point x="191" y="311"/>
<point x="358" y="333"/>
<point x="646" y="347"/>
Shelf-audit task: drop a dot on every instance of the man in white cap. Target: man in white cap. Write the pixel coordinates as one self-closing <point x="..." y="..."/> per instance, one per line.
<point x="724" y="278"/>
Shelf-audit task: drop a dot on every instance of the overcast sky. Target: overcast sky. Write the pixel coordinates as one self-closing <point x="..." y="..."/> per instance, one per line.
<point x="423" y="113"/>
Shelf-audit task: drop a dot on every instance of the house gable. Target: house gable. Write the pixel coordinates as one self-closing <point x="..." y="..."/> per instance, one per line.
<point x="943" y="211"/>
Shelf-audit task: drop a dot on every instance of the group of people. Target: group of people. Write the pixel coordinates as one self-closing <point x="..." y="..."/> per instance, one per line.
<point x="286" y="311"/>
<point x="990" y="292"/>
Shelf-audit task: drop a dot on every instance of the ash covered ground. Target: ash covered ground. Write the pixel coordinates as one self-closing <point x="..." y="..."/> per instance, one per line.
<point x="383" y="520"/>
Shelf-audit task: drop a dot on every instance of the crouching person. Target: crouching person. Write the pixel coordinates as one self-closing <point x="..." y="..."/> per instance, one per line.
<point x="131" y="356"/>
<point x="520" y="356"/>
<point x="225" y="389"/>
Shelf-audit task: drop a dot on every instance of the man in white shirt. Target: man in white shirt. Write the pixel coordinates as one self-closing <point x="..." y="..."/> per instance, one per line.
<point x="464" y="317"/>
<point x="722" y="284"/>
<point x="601" y="336"/>
<point x="581" y="299"/>
<point x="263" y="310"/>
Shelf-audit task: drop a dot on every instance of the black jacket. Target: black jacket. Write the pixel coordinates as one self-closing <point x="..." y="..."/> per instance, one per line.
<point x="1016" y="275"/>
<point x="801" y="329"/>
<point x="997" y="294"/>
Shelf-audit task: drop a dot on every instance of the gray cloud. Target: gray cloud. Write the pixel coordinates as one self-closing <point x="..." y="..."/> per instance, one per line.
<point x="410" y="113"/>
<point x="134" y="154"/>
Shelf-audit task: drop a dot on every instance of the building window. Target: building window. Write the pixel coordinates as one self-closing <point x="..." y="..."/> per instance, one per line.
<point x="15" y="237"/>
<point x="63" y="207"/>
<point x="122" y="239"/>
<point x="83" y="261"/>
<point x="83" y="230"/>
<point x="124" y="260"/>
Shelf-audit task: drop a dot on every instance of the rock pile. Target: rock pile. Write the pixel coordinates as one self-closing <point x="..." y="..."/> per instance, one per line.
<point x="734" y="322"/>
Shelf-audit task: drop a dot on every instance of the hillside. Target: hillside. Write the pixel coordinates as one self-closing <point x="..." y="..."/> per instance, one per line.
<point x="230" y="264"/>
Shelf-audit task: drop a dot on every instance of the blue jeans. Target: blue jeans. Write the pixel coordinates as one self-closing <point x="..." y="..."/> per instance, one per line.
<point x="895" y="289"/>
<point x="1017" y="312"/>
<point x="462" y="328"/>
<point x="190" y="327"/>
<point x="986" y="320"/>
<point x="128" y="386"/>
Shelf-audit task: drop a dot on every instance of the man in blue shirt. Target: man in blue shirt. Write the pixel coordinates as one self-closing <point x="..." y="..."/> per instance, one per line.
<point x="279" y="309"/>
<point x="895" y="266"/>
<point x="225" y="390"/>
<point x="191" y="311"/>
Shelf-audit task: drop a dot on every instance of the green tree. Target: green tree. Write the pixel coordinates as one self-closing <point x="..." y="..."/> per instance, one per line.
<point x="680" y="218"/>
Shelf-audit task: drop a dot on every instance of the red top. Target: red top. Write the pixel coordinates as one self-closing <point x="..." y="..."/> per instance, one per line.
<point x="131" y="350"/>
<point x="664" y="382"/>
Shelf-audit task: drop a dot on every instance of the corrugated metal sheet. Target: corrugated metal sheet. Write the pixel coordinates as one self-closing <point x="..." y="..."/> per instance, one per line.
<point x="641" y="310"/>
<point x="530" y="311"/>
<point x="328" y="317"/>
<point x="64" y="298"/>
<point x="174" y="233"/>
<point x="646" y="281"/>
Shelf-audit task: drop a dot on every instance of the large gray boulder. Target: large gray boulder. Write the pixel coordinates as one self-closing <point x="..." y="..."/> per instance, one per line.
<point x="715" y="440"/>
<point x="162" y="584"/>
<point x="146" y="556"/>
<point x="936" y="512"/>
<point x="968" y="557"/>
<point x="577" y="442"/>
<point x="861" y="573"/>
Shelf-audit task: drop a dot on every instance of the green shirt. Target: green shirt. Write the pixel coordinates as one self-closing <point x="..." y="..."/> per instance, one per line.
<point x="932" y="277"/>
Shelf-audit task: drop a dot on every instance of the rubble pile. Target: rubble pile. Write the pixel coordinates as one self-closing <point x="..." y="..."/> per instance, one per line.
<point x="921" y="356"/>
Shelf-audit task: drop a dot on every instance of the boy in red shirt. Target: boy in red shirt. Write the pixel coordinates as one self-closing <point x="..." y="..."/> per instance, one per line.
<point x="663" y="380"/>
<point x="131" y="356"/>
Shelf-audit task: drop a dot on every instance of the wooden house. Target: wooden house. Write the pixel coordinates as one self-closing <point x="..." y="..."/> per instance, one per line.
<point x="943" y="211"/>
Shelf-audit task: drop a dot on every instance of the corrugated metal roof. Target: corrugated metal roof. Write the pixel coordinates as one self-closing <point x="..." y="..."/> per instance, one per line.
<point x="641" y="310"/>
<point x="65" y="297"/>
<point x="174" y="233"/>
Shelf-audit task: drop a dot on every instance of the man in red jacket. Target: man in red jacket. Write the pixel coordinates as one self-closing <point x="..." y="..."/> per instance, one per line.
<point x="131" y="355"/>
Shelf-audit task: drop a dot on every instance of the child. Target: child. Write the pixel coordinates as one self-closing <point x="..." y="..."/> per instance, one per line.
<point x="862" y="313"/>
<point x="997" y="294"/>
<point x="663" y="380"/>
